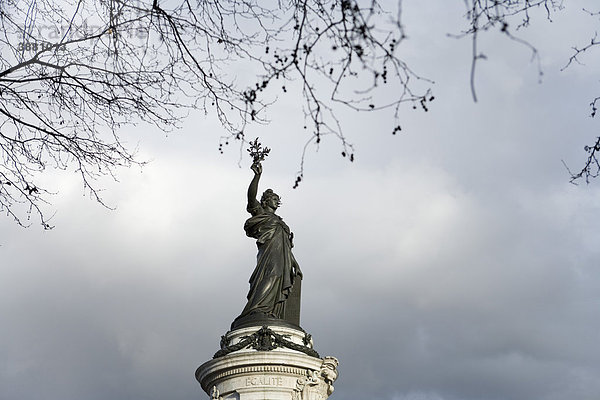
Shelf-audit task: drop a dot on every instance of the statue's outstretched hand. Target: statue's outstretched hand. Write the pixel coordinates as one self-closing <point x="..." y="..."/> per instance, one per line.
<point x="256" y="168"/>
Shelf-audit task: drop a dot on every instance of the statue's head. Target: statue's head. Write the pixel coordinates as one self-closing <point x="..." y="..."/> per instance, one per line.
<point x="271" y="199"/>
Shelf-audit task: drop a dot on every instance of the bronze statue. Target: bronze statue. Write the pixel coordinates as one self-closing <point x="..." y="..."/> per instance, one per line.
<point x="275" y="283"/>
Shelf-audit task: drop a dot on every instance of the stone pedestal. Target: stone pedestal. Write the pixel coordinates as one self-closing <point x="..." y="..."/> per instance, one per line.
<point x="267" y="363"/>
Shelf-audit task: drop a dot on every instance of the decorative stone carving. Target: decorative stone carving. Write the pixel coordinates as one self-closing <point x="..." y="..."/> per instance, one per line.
<point x="214" y="394"/>
<point x="317" y="385"/>
<point x="265" y="339"/>
<point x="271" y="365"/>
<point x="329" y="372"/>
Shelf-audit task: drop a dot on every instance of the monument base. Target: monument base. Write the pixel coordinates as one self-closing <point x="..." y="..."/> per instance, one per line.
<point x="267" y="363"/>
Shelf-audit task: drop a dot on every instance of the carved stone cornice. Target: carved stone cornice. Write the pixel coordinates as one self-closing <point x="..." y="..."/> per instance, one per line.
<point x="280" y="369"/>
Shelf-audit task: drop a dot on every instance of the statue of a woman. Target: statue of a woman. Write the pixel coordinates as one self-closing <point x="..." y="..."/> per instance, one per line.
<point x="277" y="273"/>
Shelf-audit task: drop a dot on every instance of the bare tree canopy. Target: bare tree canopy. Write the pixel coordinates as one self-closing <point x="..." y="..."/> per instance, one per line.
<point x="74" y="72"/>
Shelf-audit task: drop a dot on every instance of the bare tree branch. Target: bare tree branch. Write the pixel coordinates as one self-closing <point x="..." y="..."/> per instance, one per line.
<point x="74" y="73"/>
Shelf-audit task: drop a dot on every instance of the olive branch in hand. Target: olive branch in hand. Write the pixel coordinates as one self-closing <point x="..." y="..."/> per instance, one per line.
<point x="257" y="152"/>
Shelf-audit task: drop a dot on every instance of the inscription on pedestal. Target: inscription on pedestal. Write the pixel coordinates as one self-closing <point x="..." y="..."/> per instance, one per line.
<point x="264" y="381"/>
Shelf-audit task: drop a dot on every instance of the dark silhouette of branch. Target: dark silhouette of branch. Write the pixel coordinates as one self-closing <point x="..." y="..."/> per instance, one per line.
<point x="591" y="169"/>
<point x="484" y="15"/>
<point x="579" y="51"/>
<point x="74" y="73"/>
<point x="591" y="166"/>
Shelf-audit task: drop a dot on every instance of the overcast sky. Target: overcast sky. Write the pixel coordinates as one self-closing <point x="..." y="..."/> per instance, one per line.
<point x="451" y="262"/>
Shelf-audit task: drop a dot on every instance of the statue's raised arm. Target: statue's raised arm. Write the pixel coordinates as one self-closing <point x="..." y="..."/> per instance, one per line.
<point x="253" y="188"/>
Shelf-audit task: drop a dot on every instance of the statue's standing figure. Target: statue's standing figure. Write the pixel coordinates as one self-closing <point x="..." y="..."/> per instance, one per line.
<point x="276" y="269"/>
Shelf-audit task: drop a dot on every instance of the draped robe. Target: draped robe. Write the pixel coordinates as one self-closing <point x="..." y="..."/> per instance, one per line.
<point x="276" y="268"/>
